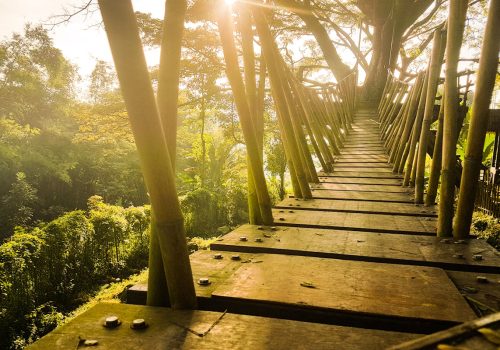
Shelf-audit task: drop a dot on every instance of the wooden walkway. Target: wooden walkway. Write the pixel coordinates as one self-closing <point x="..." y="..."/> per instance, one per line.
<point x="356" y="267"/>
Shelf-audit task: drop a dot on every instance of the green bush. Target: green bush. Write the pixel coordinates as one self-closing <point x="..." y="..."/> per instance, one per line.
<point x="486" y="227"/>
<point x="57" y="266"/>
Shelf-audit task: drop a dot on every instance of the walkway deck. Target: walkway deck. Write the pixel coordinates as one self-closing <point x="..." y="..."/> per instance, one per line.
<point x="358" y="265"/>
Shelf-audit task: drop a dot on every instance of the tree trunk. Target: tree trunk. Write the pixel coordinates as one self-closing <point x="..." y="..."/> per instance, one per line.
<point x="123" y="35"/>
<point x="434" y="71"/>
<point x="455" y="30"/>
<point x="485" y="82"/>
<point x="247" y="125"/>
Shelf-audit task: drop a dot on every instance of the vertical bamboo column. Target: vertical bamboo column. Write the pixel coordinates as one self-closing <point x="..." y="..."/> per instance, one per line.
<point x="485" y="81"/>
<point x="168" y="91"/>
<point x="233" y="74"/>
<point x="455" y="30"/>
<point x="245" y="28"/>
<point x="432" y="85"/>
<point x="435" y="172"/>
<point x="409" y="177"/>
<point x="268" y="47"/>
<point x="123" y="35"/>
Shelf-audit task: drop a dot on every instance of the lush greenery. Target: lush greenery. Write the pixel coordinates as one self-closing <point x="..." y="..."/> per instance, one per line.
<point x="65" y="153"/>
<point x="51" y="269"/>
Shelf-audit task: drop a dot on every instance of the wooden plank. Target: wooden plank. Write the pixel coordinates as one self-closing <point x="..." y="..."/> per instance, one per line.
<point x="355" y="180"/>
<point x="363" y="167"/>
<point x="363" y="196"/>
<point x="182" y="329"/>
<point x="464" y="336"/>
<point x="364" y="148"/>
<point x="368" y="246"/>
<point x="356" y="206"/>
<point x="358" y="174"/>
<point x="367" y="162"/>
<point x="340" y="287"/>
<point x="361" y="187"/>
<point x="363" y="170"/>
<point x="483" y="297"/>
<point x="361" y="152"/>
<point x="203" y="265"/>
<point x="367" y="222"/>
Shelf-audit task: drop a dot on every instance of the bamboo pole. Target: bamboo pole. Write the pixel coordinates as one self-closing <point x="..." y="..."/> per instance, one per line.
<point x="168" y="90"/>
<point x="409" y="177"/>
<point x="123" y="35"/>
<point x="245" y="28"/>
<point x="268" y="47"/>
<point x="233" y="74"/>
<point x="455" y="30"/>
<point x="485" y="82"/>
<point x="432" y="85"/>
<point x="435" y="172"/>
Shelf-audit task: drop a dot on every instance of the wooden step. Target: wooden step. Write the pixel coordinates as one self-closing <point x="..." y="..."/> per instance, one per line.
<point x="182" y="329"/>
<point x="373" y="247"/>
<point x="357" y="206"/>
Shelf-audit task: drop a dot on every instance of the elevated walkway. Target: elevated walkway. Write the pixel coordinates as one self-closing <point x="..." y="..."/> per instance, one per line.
<point x="356" y="267"/>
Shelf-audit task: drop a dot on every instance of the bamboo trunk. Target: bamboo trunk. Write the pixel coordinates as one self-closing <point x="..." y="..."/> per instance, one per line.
<point x="434" y="71"/>
<point x="455" y="30"/>
<point x="245" y="28"/>
<point x="485" y="82"/>
<point x="123" y="35"/>
<point x="247" y="125"/>
<point x="435" y="174"/>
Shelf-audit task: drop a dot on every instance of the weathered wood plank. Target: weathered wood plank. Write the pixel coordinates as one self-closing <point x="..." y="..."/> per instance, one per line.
<point x="398" y="292"/>
<point x="363" y="170"/>
<point x="361" y="187"/>
<point x="464" y="336"/>
<point x="176" y="329"/>
<point x="366" y="246"/>
<point x="359" y="174"/>
<point x="364" y="196"/>
<point x="483" y="297"/>
<point x="368" y="222"/>
<point x="356" y="206"/>
<point x="357" y="180"/>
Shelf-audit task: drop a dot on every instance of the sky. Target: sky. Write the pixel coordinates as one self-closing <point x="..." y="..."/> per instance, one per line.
<point x="82" y="40"/>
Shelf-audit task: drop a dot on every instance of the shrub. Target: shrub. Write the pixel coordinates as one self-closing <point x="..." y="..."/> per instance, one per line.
<point x="486" y="227"/>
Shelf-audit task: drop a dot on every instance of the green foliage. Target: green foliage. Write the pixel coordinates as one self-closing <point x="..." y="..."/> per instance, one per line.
<point x="486" y="227"/>
<point x="17" y="204"/>
<point x="55" y="267"/>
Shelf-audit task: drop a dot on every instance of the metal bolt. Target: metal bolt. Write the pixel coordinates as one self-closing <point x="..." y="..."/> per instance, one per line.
<point x="298" y="205"/>
<point x="112" y="322"/>
<point x="282" y="211"/>
<point x="90" y="342"/>
<point x="260" y="228"/>
<point x="291" y="211"/>
<point x="138" y="323"/>
<point x="274" y="228"/>
<point x="235" y="257"/>
<point x="477" y="257"/>
<point x="482" y="279"/>
<point x="243" y="239"/>
<point x="458" y="256"/>
<point x="217" y="256"/>
<point x="281" y="219"/>
<point x="204" y="281"/>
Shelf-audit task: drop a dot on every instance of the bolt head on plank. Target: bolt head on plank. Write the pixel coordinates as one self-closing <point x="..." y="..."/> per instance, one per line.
<point x="139" y="323"/>
<point x="112" y="322"/>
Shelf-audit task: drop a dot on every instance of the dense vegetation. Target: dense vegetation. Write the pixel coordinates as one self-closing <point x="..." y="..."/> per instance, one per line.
<point x="65" y="153"/>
